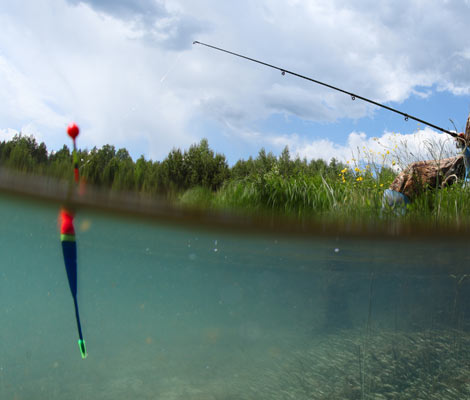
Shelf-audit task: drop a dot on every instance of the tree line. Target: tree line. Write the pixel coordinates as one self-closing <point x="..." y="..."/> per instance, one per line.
<point x="197" y="166"/>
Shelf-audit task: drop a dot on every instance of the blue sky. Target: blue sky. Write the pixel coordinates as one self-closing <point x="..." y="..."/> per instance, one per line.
<point x="128" y="74"/>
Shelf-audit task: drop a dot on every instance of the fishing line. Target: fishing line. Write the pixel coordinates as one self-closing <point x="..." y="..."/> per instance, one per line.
<point x="352" y="95"/>
<point x="170" y="68"/>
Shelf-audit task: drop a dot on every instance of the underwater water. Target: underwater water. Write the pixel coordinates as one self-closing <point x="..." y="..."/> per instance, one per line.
<point x="177" y="313"/>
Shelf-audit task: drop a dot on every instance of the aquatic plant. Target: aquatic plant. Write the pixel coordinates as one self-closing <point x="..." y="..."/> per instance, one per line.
<point x="420" y="365"/>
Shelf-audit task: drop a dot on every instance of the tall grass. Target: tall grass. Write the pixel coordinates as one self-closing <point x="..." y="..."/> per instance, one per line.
<point x="445" y="207"/>
<point x="355" y="193"/>
<point x="348" y="195"/>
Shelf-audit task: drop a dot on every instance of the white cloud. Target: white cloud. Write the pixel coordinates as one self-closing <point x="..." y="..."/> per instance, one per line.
<point x="126" y="71"/>
<point x="424" y="144"/>
<point x="7" y="134"/>
<point x="25" y="98"/>
<point x="162" y="24"/>
<point x="84" y="68"/>
<point x="390" y="149"/>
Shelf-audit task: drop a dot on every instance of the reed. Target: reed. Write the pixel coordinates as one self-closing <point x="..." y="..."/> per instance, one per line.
<point x="351" y="196"/>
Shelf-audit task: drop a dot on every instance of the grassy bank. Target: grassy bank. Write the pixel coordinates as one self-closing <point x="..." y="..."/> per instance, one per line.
<point x="265" y="185"/>
<point x="352" y="196"/>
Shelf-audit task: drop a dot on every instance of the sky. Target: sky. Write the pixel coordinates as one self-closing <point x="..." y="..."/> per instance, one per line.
<point x="127" y="72"/>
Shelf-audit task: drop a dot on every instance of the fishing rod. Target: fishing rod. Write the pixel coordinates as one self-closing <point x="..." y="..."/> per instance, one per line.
<point x="353" y="95"/>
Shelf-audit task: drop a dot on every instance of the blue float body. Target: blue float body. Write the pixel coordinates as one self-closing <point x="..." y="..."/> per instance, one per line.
<point x="69" y="250"/>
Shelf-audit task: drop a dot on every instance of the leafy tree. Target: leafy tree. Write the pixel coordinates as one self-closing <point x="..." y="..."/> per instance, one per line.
<point x="264" y="162"/>
<point x="141" y="172"/>
<point x="110" y="172"/>
<point x="317" y="167"/>
<point x="96" y="169"/>
<point x="60" y="163"/>
<point x="124" y="178"/>
<point x="243" y="168"/>
<point x="285" y="164"/>
<point x="22" y="153"/>
<point x="197" y="167"/>
<point x="174" y="171"/>
<point x="21" y="158"/>
<point x="203" y="168"/>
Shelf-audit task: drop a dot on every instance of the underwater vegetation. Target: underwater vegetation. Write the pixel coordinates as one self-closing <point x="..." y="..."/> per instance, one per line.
<point x="383" y="365"/>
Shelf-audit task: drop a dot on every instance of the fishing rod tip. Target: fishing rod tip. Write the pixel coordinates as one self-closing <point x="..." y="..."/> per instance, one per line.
<point x="195" y="42"/>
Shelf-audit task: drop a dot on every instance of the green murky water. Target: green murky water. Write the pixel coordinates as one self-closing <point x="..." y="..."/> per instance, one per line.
<point x="173" y="313"/>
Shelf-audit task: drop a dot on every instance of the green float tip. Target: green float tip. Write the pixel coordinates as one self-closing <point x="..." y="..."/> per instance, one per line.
<point x="81" y="345"/>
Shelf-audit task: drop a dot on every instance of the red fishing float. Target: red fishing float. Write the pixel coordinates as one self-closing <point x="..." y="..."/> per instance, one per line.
<point x="66" y="223"/>
<point x="73" y="130"/>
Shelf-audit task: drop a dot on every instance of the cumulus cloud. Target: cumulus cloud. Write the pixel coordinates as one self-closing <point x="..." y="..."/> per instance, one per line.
<point x="127" y="72"/>
<point x="390" y="149"/>
<point x="157" y="23"/>
<point x="83" y="67"/>
<point x="25" y="98"/>
<point x="8" y="134"/>
<point x="384" y="52"/>
<point x="147" y="10"/>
